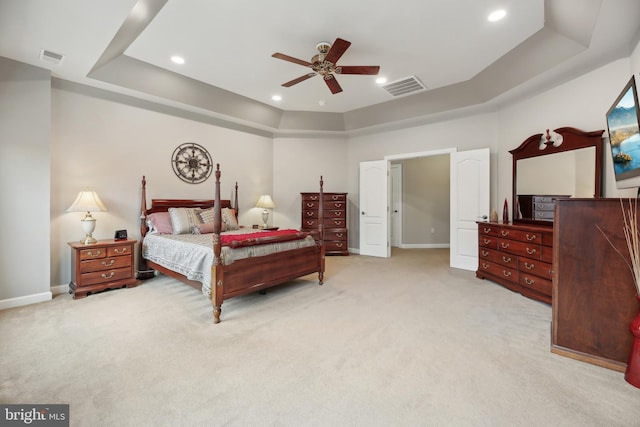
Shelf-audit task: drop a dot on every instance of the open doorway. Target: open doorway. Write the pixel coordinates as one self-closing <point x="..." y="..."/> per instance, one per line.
<point x="469" y="201"/>
<point x="420" y="202"/>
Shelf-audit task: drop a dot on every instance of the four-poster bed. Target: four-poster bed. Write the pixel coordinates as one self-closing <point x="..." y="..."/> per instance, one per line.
<point x="236" y="262"/>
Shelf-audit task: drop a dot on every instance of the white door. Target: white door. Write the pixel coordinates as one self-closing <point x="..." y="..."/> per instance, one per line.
<point x="374" y="208"/>
<point x="470" y="182"/>
<point x="396" y="205"/>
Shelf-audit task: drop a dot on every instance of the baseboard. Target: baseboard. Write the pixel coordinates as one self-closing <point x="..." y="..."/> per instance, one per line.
<point x="25" y="300"/>
<point x="61" y="289"/>
<point x="425" y="246"/>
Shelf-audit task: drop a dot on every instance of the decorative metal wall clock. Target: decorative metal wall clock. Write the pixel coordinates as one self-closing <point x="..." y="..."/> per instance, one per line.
<point x="192" y="163"/>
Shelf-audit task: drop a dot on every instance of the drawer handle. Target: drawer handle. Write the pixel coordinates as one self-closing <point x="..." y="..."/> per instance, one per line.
<point x="529" y="281"/>
<point x="337" y="213"/>
<point x="120" y="250"/>
<point x="529" y="266"/>
<point x="338" y="222"/>
<point x="90" y="253"/>
<point x="309" y="213"/>
<point x="504" y="245"/>
<point x="531" y="237"/>
<point x="335" y="197"/>
<point x="485" y="266"/>
<point x="338" y="205"/>
<point x="104" y="275"/>
<point x="504" y="233"/>
<point x="487" y="241"/>
<point x="485" y="253"/>
<point x="314" y="197"/>
<point x="539" y="206"/>
<point x="530" y="251"/>
<point x="506" y="259"/>
<point x="339" y="235"/>
<point x="309" y="223"/>
<point x="339" y="245"/>
<point x="486" y="230"/>
<point x="310" y="205"/>
<point x="110" y="263"/>
<point x="506" y="273"/>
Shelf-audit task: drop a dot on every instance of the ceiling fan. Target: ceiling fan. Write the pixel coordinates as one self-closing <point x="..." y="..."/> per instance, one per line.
<point x="325" y="64"/>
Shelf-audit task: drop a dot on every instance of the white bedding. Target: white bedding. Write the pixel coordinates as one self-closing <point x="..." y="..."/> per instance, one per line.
<point x="192" y="254"/>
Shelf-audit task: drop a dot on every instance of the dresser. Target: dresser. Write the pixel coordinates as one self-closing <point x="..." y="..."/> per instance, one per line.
<point x="334" y="220"/>
<point x="518" y="257"/>
<point x="103" y="265"/>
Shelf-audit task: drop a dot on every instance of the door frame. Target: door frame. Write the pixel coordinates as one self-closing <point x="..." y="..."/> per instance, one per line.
<point x="396" y="232"/>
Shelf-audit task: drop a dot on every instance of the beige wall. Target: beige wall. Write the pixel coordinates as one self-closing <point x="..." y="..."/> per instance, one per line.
<point x="425" y="201"/>
<point x="25" y="111"/>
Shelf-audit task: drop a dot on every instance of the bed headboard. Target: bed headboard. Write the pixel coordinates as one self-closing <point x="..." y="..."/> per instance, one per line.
<point x="163" y="205"/>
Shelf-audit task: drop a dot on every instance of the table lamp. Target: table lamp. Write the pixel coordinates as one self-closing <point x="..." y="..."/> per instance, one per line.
<point x="87" y="201"/>
<point x="265" y="202"/>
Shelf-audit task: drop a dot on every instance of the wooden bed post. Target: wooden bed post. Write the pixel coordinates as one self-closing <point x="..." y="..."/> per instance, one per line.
<point x="144" y="272"/>
<point x="217" y="271"/>
<point x="321" y="231"/>
<point x="235" y="201"/>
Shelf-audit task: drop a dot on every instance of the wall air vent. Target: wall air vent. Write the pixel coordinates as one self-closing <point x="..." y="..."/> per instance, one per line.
<point x="51" y="57"/>
<point x="403" y="86"/>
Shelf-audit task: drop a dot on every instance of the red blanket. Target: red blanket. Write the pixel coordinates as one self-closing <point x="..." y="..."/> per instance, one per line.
<point x="261" y="237"/>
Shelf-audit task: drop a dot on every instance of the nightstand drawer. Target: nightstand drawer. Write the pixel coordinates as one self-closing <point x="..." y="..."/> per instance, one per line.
<point x="119" y="250"/>
<point x="105" y="276"/>
<point x="105" y="264"/>
<point x="93" y="253"/>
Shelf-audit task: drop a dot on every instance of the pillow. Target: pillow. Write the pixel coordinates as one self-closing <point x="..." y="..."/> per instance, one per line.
<point x="184" y="219"/>
<point x="206" y="228"/>
<point x="207" y="215"/>
<point x="229" y="221"/>
<point x="159" y="222"/>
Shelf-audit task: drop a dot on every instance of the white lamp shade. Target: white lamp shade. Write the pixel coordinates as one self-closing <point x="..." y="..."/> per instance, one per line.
<point x="265" y="202"/>
<point x="87" y="201"/>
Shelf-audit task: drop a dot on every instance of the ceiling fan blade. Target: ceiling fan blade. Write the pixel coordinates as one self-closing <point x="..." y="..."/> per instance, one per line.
<point x="337" y="49"/>
<point x="291" y="59"/>
<point x="298" y="80"/>
<point x="358" y="69"/>
<point x="332" y="83"/>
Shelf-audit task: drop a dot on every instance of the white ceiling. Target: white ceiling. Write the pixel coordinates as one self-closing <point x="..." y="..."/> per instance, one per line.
<point x="448" y="45"/>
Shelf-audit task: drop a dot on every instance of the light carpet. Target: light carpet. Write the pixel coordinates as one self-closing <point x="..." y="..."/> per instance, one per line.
<point x="404" y="341"/>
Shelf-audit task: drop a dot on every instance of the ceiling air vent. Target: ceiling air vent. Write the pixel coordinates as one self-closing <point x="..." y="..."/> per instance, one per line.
<point x="403" y="86"/>
<point x="51" y="57"/>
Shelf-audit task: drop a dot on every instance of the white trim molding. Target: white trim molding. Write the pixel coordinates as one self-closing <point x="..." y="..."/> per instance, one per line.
<point x="25" y="300"/>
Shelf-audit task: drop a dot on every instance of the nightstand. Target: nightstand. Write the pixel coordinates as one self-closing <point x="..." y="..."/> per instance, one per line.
<point x="104" y="265"/>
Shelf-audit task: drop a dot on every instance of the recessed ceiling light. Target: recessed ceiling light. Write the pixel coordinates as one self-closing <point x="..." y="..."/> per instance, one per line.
<point x="497" y="15"/>
<point x="177" y="59"/>
<point x="322" y="103"/>
<point x="381" y="80"/>
<point x="276" y="98"/>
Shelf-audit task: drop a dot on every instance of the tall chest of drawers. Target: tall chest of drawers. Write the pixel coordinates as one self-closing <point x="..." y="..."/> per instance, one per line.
<point x="518" y="257"/>
<point x="334" y="220"/>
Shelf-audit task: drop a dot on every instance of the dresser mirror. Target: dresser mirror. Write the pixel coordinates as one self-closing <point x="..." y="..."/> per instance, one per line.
<point x="566" y="162"/>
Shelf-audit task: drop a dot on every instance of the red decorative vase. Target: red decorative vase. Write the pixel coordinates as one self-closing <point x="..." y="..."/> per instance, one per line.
<point x="632" y="374"/>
